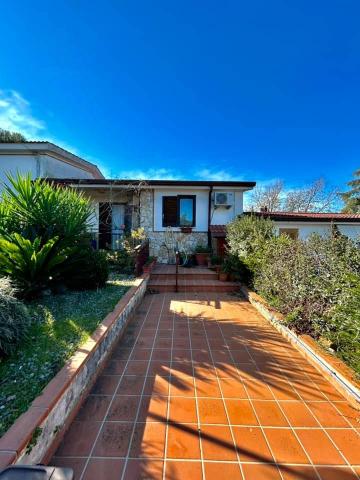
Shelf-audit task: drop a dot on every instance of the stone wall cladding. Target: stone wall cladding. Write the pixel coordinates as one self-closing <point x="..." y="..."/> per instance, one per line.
<point x="59" y="401"/>
<point x="162" y="244"/>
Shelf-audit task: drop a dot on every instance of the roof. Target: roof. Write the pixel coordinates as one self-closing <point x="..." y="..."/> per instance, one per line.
<point x="165" y="183"/>
<point x="49" y="148"/>
<point x="218" y="230"/>
<point x="308" y="216"/>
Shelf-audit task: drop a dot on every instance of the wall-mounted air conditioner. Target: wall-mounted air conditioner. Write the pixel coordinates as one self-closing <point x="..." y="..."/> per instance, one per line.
<point x="224" y="199"/>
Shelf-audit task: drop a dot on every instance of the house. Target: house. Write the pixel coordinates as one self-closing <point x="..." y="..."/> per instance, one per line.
<point x="175" y="214"/>
<point x="302" y="224"/>
<point x="43" y="159"/>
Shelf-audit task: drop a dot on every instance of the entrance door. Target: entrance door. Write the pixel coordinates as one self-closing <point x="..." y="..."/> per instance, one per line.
<point x="117" y="225"/>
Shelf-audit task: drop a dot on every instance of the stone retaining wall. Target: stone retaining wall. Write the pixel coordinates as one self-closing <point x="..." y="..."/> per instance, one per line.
<point x="40" y="428"/>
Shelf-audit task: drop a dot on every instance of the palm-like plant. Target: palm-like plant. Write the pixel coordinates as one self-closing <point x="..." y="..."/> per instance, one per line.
<point x="42" y="230"/>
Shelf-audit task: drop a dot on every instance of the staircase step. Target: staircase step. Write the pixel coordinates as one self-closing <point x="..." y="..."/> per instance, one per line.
<point x="193" y="286"/>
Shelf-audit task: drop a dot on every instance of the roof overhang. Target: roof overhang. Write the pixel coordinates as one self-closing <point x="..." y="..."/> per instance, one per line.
<point x="308" y="217"/>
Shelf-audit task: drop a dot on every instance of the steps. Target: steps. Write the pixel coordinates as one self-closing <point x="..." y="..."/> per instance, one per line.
<point x="196" y="279"/>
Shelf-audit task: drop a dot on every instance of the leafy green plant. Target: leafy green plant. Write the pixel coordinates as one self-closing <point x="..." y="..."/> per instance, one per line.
<point x="202" y="249"/>
<point x="216" y="260"/>
<point x="92" y="270"/>
<point x="121" y="261"/>
<point x="15" y="319"/>
<point x="150" y="260"/>
<point x="42" y="230"/>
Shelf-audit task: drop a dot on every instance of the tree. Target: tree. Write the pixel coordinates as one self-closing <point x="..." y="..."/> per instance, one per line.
<point x="313" y="198"/>
<point x="11" y="137"/>
<point x="352" y="197"/>
<point x="268" y="197"/>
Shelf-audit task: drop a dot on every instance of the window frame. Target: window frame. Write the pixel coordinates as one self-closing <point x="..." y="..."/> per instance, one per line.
<point x="178" y="201"/>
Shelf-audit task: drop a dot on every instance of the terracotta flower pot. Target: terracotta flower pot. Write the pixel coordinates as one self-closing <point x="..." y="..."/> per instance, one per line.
<point x="223" y="276"/>
<point x="202" y="259"/>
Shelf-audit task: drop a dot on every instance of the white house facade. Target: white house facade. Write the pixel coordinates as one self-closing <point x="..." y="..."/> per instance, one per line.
<point x="42" y="160"/>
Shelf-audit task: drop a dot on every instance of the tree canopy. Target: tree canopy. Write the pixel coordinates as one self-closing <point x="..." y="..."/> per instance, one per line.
<point x="351" y="198"/>
<point x="11" y="137"/>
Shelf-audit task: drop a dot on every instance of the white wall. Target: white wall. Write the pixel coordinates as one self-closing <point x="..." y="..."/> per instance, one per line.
<point x="39" y="166"/>
<point x="219" y="216"/>
<point x="351" y="230"/>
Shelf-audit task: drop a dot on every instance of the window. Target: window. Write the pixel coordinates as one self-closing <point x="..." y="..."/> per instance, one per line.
<point x="179" y="211"/>
<point x="290" y="232"/>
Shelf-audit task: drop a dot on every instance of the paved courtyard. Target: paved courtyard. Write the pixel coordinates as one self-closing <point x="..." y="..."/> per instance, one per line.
<point x="202" y="387"/>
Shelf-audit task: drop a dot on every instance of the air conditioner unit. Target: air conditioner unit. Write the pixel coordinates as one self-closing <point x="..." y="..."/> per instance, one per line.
<point x="224" y="199"/>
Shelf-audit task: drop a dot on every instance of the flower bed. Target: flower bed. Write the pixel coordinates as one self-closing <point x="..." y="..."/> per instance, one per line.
<point x="64" y="323"/>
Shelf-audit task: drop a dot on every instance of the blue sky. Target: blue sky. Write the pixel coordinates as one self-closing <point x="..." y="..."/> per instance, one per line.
<point x="256" y="90"/>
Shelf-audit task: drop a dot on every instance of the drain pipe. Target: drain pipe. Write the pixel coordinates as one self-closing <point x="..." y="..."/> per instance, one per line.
<point x="209" y="216"/>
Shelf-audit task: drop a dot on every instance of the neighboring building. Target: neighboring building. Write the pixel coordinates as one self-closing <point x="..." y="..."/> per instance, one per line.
<point x="301" y="225"/>
<point x="43" y="159"/>
<point x="173" y="213"/>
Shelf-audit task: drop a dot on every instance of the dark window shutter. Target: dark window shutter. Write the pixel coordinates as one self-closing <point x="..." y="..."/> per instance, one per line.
<point x="170" y="211"/>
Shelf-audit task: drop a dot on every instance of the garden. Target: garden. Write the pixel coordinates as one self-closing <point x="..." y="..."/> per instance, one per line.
<point x="54" y="288"/>
<point x="314" y="283"/>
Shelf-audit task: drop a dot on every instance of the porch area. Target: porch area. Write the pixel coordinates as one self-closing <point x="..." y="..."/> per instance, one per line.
<point x="202" y="387"/>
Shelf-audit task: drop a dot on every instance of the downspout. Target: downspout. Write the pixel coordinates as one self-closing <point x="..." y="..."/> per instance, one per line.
<point x="209" y="216"/>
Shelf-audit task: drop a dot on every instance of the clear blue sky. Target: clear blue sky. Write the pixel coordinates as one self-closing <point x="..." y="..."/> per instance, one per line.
<point x="254" y="90"/>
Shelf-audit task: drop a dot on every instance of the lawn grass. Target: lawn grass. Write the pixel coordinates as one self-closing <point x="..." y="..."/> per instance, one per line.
<point x="61" y="324"/>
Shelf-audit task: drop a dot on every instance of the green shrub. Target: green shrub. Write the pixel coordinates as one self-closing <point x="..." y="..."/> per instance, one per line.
<point x="202" y="249"/>
<point x="122" y="261"/>
<point x="91" y="270"/>
<point x="15" y="319"/>
<point x="42" y="229"/>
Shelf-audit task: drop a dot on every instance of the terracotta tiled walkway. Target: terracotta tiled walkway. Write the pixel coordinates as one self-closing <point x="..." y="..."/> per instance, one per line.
<point x="202" y="387"/>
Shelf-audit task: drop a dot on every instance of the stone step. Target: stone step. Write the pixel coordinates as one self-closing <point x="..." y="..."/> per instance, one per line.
<point x="193" y="286"/>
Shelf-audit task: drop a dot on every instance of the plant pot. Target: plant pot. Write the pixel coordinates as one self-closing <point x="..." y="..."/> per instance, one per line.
<point x="201" y="259"/>
<point x="186" y="229"/>
<point x="223" y="276"/>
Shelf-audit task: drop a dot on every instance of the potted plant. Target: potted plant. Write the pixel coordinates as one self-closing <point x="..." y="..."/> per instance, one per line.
<point x="149" y="264"/>
<point x="201" y="254"/>
<point x="228" y="269"/>
<point x="215" y="262"/>
<point x="186" y="229"/>
<point x="223" y="276"/>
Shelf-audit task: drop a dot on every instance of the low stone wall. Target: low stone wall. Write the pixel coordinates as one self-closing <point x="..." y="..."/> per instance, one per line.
<point x="329" y="366"/>
<point x="35" y="434"/>
<point x="186" y="241"/>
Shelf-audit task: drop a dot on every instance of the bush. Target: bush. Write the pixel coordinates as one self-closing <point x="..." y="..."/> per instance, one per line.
<point x="14" y="318"/>
<point x="91" y="270"/>
<point x="42" y="229"/>
<point x="122" y="261"/>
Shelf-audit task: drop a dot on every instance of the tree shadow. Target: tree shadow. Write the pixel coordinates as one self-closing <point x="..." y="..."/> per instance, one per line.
<point x="205" y="341"/>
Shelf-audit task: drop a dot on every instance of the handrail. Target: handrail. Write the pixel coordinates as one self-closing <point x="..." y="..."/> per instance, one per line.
<point x="176" y="271"/>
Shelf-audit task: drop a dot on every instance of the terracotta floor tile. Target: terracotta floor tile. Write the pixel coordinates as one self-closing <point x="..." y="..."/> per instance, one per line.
<point x="153" y="409"/>
<point x="104" y="469"/>
<point x="131" y="385"/>
<point x="123" y="408"/>
<point x="349" y="413"/>
<point x="79" y="439"/>
<point x="94" y="408"/>
<point x="183" y="441"/>
<point x="121" y="353"/>
<point x="336" y="473"/>
<point x="141" y="354"/>
<point x="257" y="389"/>
<point x="182" y="386"/>
<point x="161" y="354"/>
<point x="157" y="386"/>
<point x="232" y="388"/>
<point x="148" y="440"/>
<point x="283" y="390"/>
<point x="137" y="367"/>
<point x="159" y="368"/>
<point x="144" y="470"/>
<point x="327" y="415"/>
<point x="113" y="440"/>
<point x="285" y="446"/>
<point x="269" y="414"/>
<point x="319" y="447"/>
<point x="182" y="410"/>
<point x="105" y="385"/>
<point x="261" y="472"/>
<point x="114" y="367"/>
<point x="77" y="464"/>
<point x="348" y="443"/>
<point x="207" y="388"/>
<point x="217" y="471"/>
<point x="292" y="472"/>
<point x="217" y="443"/>
<point x="308" y="392"/>
<point x="212" y="411"/>
<point x="240" y="412"/>
<point x="298" y="414"/>
<point x="251" y="445"/>
<point x="183" y="470"/>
